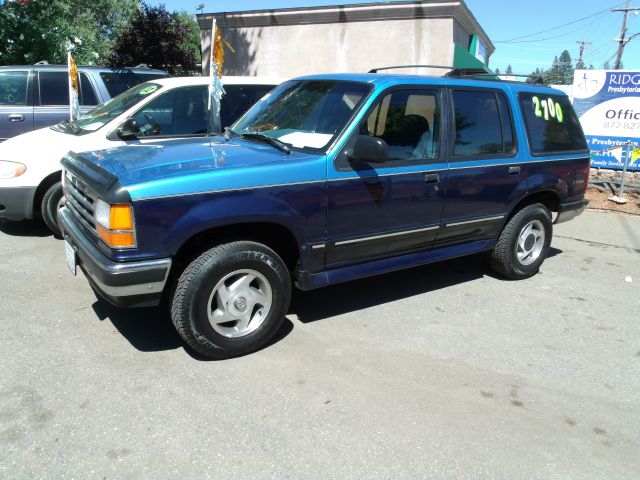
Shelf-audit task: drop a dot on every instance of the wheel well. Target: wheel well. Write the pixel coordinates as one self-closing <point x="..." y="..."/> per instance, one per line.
<point x="548" y="198"/>
<point x="273" y="235"/>
<point x="42" y="189"/>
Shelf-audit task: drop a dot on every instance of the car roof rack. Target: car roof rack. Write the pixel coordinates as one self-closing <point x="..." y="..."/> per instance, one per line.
<point x="472" y="73"/>
<point x="42" y="62"/>
<point x="142" y="65"/>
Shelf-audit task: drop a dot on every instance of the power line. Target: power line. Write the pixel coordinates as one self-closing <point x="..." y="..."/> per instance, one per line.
<point x="557" y="27"/>
<point x="555" y="36"/>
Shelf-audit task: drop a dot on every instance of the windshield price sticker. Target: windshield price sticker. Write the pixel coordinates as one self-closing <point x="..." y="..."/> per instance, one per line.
<point x="148" y="90"/>
<point x="547" y="108"/>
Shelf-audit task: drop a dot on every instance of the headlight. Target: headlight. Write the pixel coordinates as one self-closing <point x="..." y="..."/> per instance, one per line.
<point x="115" y="224"/>
<point x="11" y="169"/>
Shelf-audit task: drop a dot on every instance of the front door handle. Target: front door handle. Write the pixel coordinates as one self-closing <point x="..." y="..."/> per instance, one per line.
<point x="514" y="170"/>
<point x="431" y="178"/>
<point x="16" y="117"/>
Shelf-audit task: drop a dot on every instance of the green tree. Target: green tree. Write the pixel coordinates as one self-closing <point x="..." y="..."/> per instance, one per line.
<point x="159" y="38"/>
<point x="509" y="70"/>
<point x="42" y="30"/>
<point x="561" y="71"/>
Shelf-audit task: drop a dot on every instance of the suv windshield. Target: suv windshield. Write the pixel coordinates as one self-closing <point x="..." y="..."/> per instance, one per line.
<point x="120" y="81"/>
<point x="103" y="114"/>
<point x="304" y="113"/>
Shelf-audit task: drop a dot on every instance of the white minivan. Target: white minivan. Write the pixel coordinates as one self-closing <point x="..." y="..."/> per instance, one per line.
<point x="30" y="172"/>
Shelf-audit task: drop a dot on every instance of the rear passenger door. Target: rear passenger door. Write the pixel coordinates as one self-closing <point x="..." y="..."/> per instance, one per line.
<point x="16" y="103"/>
<point x="485" y="172"/>
<point x="52" y="94"/>
<point x="382" y="210"/>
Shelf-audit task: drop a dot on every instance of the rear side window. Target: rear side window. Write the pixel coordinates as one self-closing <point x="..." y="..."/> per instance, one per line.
<point x="118" y="82"/>
<point x="483" y="124"/>
<point x="13" y="88"/>
<point x="552" y="125"/>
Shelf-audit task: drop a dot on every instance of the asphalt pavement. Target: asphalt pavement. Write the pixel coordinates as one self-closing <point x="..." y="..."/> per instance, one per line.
<point x="443" y="371"/>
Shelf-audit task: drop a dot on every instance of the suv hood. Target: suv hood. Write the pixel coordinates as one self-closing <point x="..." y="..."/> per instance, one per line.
<point x="179" y="167"/>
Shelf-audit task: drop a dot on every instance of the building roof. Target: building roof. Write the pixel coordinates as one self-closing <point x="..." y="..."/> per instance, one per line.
<point x="363" y="12"/>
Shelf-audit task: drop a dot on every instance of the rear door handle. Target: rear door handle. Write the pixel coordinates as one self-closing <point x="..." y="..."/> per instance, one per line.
<point x="16" y="117"/>
<point x="514" y="170"/>
<point x="431" y="178"/>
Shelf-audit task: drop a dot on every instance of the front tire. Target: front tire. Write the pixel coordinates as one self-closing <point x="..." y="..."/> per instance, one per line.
<point x="231" y="300"/>
<point x="524" y="243"/>
<point x="52" y="200"/>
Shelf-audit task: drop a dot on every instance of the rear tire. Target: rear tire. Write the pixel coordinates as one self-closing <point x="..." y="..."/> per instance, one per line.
<point x="523" y="243"/>
<point x="51" y="202"/>
<point x="231" y="300"/>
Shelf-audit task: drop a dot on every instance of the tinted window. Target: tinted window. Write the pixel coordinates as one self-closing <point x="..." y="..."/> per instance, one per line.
<point x="552" y="125"/>
<point x="507" y="126"/>
<point x="238" y="99"/>
<point x="118" y="82"/>
<point x="54" y="88"/>
<point x="87" y="95"/>
<point x="478" y="124"/>
<point x="182" y="111"/>
<point x="409" y="122"/>
<point x="13" y="88"/>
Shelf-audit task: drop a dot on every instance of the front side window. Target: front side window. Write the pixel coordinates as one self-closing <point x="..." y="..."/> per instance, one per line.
<point x="238" y="99"/>
<point x="181" y="111"/>
<point x="483" y="124"/>
<point x="13" y="88"/>
<point x="552" y="125"/>
<point x="304" y="113"/>
<point x="409" y="122"/>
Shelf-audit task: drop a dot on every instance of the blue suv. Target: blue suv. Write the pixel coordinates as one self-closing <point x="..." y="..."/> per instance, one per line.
<point x="327" y="179"/>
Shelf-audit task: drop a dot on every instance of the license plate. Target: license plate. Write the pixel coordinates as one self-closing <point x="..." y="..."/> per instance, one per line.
<point x="70" y="254"/>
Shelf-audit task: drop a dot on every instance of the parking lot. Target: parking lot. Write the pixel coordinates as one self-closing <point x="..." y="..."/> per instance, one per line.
<point x="443" y="371"/>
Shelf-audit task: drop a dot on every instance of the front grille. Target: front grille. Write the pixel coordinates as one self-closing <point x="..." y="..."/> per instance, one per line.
<point x="80" y="201"/>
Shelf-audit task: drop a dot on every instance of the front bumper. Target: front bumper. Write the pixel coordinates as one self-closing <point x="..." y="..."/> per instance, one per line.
<point x="568" y="211"/>
<point x="16" y="203"/>
<point x="124" y="284"/>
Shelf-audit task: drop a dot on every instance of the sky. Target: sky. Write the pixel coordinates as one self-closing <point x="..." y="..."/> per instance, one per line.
<point x="504" y="20"/>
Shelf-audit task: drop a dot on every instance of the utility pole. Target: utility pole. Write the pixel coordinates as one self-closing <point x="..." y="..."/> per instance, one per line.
<point x="583" y="44"/>
<point x="623" y="31"/>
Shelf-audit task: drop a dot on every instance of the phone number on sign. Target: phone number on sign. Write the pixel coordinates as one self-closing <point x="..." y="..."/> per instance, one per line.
<point x="623" y="125"/>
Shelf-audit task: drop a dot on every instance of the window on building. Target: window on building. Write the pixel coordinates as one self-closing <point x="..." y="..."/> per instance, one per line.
<point x="552" y="125"/>
<point x="408" y="121"/>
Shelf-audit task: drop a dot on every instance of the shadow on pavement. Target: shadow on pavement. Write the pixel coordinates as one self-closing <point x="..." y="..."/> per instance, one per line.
<point x="151" y="329"/>
<point x="25" y="228"/>
<point x="347" y="297"/>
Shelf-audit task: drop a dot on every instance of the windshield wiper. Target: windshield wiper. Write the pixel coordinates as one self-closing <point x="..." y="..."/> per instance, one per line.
<point x="67" y="125"/>
<point x="270" y="140"/>
<point x="228" y="132"/>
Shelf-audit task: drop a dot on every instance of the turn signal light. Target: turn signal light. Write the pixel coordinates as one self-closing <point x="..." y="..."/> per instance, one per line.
<point x="115" y="224"/>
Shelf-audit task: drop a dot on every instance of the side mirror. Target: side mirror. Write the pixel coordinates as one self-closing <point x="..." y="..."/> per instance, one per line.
<point x="129" y="130"/>
<point x="370" y="149"/>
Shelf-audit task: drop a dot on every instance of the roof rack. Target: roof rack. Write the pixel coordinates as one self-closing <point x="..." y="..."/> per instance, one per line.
<point x="42" y="62"/>
<point x="474" y="73"/>
<point x="141" y="65"/>
<point x="376" y="70"/>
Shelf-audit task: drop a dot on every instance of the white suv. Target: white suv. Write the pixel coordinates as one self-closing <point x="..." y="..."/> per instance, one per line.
<point x="167" y="108"/>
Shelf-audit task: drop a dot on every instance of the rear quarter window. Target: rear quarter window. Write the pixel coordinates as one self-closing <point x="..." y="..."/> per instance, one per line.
<point x="551" y="124"/>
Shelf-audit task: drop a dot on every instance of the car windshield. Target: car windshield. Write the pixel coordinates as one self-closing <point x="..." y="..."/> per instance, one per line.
<point x="103" y="114"/>
<point x="304" y="113"/>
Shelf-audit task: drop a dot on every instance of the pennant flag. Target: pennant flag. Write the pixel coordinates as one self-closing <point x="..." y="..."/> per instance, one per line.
<point x="216" y="89"/>
<point x="74" y="88"/>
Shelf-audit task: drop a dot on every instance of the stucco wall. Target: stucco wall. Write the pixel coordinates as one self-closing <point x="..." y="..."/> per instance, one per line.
<point x="291" y="50"/>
